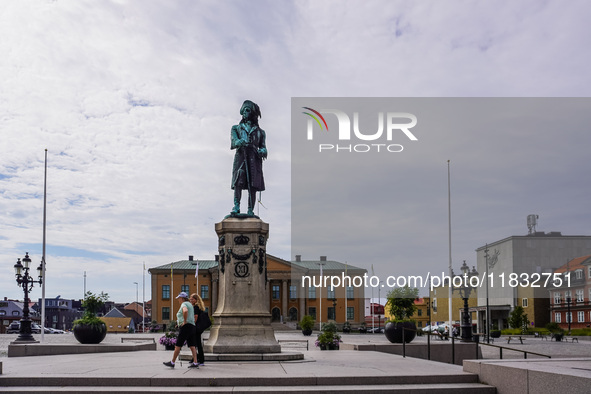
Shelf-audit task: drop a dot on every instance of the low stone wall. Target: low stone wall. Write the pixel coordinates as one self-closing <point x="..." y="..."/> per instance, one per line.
<point x="440" y="350"/>
<point x="39" y="349"/>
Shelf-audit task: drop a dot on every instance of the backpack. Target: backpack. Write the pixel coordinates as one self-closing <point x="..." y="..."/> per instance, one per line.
<point x="203" y="322"/>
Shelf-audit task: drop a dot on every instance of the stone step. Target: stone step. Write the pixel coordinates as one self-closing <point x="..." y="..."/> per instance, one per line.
<point x="442" y="388"/>
<point x="192" y="379"/>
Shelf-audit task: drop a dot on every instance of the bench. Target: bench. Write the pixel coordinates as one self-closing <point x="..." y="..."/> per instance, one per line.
<point x="296" y="341"/>
<point x="515" y="338"/>
<point x="139" y="339"/>
<point x="572" y="339"/>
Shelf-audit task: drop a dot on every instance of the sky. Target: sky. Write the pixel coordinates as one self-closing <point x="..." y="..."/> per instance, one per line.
<point x="134" y="101"/>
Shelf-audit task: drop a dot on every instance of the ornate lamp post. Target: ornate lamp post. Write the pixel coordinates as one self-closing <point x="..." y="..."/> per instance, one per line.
<point x="24" y="280"/>
<point x="465" y="290"/>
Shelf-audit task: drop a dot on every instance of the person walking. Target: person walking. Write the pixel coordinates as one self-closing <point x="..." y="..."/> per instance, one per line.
<point x="198" y="307"/>
<point x="186" y="323"/>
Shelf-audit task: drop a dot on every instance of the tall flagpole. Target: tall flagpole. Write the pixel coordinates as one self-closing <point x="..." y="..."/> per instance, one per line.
<point x="449" y="232"/>
<point x="43" y="257"/>
<point x="171" y="295"/>
<point x="144" y="297"/>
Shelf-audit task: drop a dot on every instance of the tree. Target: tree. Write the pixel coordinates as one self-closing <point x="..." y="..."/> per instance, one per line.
<point x="518" y="319"/>
<point x="401" y="301"/>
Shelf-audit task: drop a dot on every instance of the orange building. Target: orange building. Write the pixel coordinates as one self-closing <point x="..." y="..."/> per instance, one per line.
<point x="293" y="289"/>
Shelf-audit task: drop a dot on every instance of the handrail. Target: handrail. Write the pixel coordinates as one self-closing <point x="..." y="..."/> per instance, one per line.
<point x="525" y="352"/>
<point x="453" y="358"/>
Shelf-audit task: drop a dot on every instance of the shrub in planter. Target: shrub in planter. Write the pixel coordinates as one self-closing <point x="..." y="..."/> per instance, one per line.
<point x="393" y="331"/>
<point x="168" y="340"/>
<point x="363" y="328"/>
<point x="90" y="329"/>
<point x="346" y="327"/>
<point x="307" y="323"/>
<point x="328" y="339"/>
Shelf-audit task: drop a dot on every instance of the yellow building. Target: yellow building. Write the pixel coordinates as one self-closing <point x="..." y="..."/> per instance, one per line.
<point x="293" y="289"/>
<point x="440" y="305"/>
<point x="421" y="315"/>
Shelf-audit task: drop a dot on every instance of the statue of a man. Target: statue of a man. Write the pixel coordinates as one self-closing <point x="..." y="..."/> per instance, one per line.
<point x="249" y="141"/>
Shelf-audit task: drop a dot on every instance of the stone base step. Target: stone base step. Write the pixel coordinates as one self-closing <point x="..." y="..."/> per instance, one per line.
<point x="443" y="388"/>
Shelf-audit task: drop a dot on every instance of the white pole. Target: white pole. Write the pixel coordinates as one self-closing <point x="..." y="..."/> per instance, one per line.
<point x="449" y="236"/>
<point x="144" y="298"/>
<point x="320" y="297"/>
<point x="43" y="257"/>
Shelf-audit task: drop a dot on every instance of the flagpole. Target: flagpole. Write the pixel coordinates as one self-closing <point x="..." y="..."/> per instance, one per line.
<point x="197" y="277"/>
<point x="144" y="297"/>
<point x="43" y="257"/>
<point x="171" y="293"/>
<point x="449" y="237"/>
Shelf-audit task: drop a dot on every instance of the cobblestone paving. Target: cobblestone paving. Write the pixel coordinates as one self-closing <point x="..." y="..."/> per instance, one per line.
<point x="531" y="344"/>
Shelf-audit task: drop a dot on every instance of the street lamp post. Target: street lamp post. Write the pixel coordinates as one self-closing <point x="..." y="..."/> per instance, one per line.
<point x="465" y="290"/>
<point x="136" y="298"/>
<point x="569" y="318"/>
<point x="24" y="280"/>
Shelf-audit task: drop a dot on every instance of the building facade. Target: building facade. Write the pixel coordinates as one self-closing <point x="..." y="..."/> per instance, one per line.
<point x="292" y="290"/>
<point x="529" y="257"/>
<point x="570" y="301"/>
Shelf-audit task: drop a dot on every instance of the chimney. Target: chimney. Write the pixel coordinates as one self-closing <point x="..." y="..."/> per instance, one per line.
<point x="322" y="258"/>
<point x="190" y="258"/>
<point x="298" y="258"/>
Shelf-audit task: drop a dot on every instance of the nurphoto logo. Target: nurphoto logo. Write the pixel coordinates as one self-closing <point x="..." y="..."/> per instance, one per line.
<point x="397" y="124"/>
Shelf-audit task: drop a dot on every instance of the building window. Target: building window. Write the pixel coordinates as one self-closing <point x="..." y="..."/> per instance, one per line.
<point x="557" y="299"/>
<point x="276" y="292"/>
<point x="568" y="294"/>
<point x="331" y="313"/>
<point x="557" y="317"/>
<point x="166" y="313"/>
<point x="579" y="274"/>
<point x="589" y="272"/>
<point x="330" y="293"/>
<point x="350" y="313"/>
<point x="350" y="292"/>
<point x="419" y="312"/>
<point x="185" y="288"/>
<point x="524" y="302"/>
<point x="205" y="292"/>
<point x="312" y="312"/>
<point x="580" y="295"/>
<point x="166" y="292"/>
<point x="293" y="293"/>
<point x="2" y="313"/>
<point x="569" y="317"/>
<point x="434" y="305"/>
<point x="15" y="313"/>
<point x="312" y="293"/>
<point x="581" y="316"/>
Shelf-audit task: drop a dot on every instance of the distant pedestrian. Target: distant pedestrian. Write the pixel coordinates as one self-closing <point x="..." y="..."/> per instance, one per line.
<point x="198" y="307"/>
<point x="186" y="323"/>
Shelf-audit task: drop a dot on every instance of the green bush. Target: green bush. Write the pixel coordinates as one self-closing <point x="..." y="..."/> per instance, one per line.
<point x="329" y="327"/>
<point x="307" y="322"/>
<point x="583" y="332"/>
<point x="554" y="328"/>
<point x="511" y="331"/>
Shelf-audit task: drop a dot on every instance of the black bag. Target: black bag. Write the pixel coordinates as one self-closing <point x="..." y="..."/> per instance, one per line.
<point x="203" y="322"/>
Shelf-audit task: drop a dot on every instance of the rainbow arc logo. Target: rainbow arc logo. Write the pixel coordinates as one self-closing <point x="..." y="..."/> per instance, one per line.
<point x="315" y="118"/>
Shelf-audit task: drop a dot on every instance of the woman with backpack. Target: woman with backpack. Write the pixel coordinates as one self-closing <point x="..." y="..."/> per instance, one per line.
<point x="202" y="322"/>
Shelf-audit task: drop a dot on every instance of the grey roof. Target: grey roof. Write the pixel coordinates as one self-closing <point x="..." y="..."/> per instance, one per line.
<point x="329" y="265"/>
<point x="187" y="265"/>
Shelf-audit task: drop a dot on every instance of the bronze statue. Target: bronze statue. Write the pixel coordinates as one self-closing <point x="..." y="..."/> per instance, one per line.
<point x="249" y="141"/>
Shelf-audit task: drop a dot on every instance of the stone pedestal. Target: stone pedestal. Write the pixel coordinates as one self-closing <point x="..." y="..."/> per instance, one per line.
<point x="242" y="319"/>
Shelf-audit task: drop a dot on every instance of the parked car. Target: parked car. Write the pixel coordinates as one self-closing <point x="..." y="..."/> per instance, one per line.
<point x="14" y="327"/>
